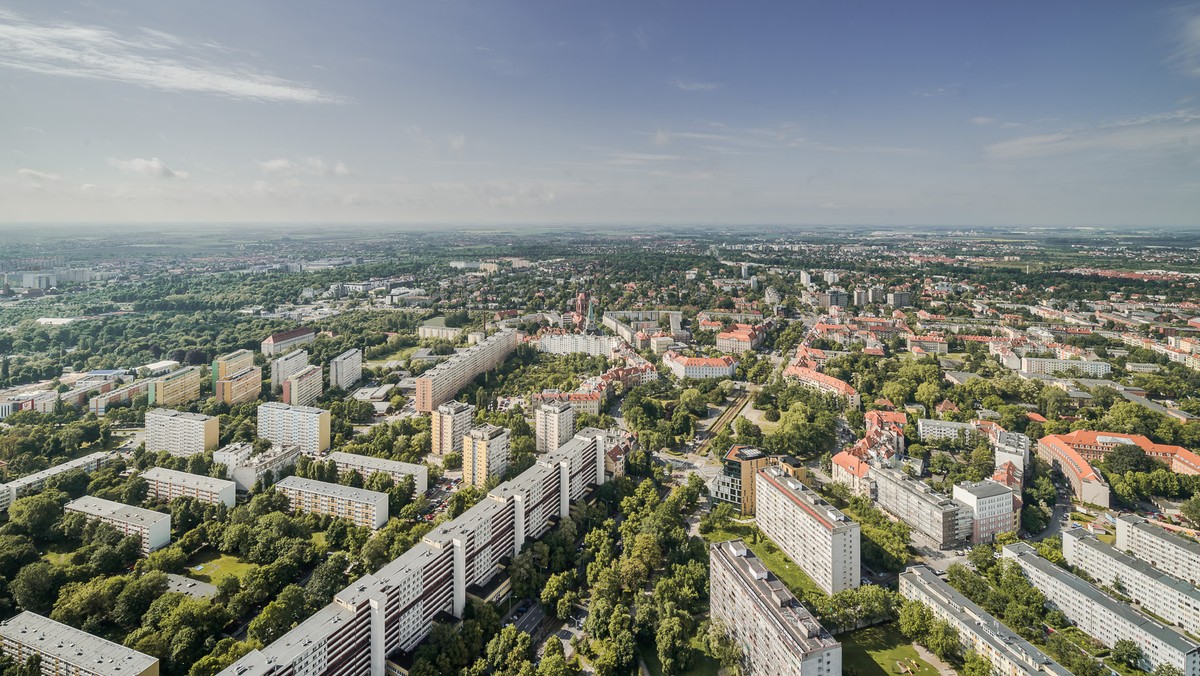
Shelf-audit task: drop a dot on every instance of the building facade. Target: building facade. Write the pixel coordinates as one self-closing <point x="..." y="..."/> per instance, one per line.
<point x="736" y="482"/>
<point x="367" y="465"/>
<point x="181" y="433"/>
<point x="240" y="386"/>
<point x="935" y="515"/>
<point x="303" y="426"/>
<point x="1086" y="482"/>
<point x="304" y="387"/>
<point x="176" y="388"/>
<point x="346" y="369"/>
<point x="168" y="484"/>
<point x="65" y="650"/>
<point x="440" y="383"/>
<point x="450" y="423"/>
<point x="358" y="505"/>
<point x="993" y="508"/>
<point x="287" y="366"/>
<point x="282" y="342"/>
<point x="1166" y="551"/>
<point x="554" y="425"/>
<point x="485" y="454"/>
<point x="245" y="468"/>
<point x="699" y="367"/>
<point x="228" y="364"/>
<point x="152" y="528"/>
<point x="816" y="536"/>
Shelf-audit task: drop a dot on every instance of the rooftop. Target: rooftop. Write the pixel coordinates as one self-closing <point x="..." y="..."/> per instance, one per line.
<point x="205" y="483"/>
<point x="101" y="508"/>
<point x="71" y="645"/>
<point x="332" y="490"/>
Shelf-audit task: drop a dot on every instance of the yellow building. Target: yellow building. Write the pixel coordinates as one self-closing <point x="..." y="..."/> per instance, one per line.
<point x="239" y="386"/>
<point x="176" y="388"/>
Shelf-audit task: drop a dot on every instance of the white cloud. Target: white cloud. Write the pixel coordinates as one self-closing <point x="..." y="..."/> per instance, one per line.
<point x="1179" y="130"/>
<point x="693" y="86"/>
<point x="1187" y="49"/>
<point x="38" y="175"/>
<point x="148" y="58"/>
<point x="457" y="142"/>
<point x="153" y="167"/>
<point x="983" y="121"/>
<point x="639" y="159"/>
<point x="88" y="187"/>
<point x="305" y="166"/>
<point x="948" y="90"/>
<point x="660" y="138"/>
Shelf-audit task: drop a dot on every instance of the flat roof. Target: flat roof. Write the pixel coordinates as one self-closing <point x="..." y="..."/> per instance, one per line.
<point x="332" y="490"/>
<point x="280" y="406"/>
<point x="984" y="489"/>
<point x="814" y="505"/>
<point x="74" y="646"/>
<point x="59" y="469"/>
<point x="188" y="479"/>
<point x="182" y="415"/>
<point x="380" y="464"/>
<point x="1089" y="540"/>
<point x="1163" y="534"/>
<point x="99" y="507"/>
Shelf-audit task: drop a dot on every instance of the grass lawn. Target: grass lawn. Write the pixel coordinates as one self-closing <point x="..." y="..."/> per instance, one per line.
<point x="1107" y="539"/>
<point x="874" y="651"/>
<point x="210" y="566"/>
<point x="776" y="561"/>
<point x="702" y="665"/>
<point x="57" y="554"/>
<point x="399" y="355"/>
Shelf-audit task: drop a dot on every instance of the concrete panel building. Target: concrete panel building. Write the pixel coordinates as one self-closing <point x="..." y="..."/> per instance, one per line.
<point x="346" y="369"/>
<point x="358" y="505"/>
<point x="554" y="425"/>
<point x="778" y="636"/>
<point x="935" y="515"/>
<point x="65" y="650"/>
<point x="240" y="386"/>
<point x="287" y="366"/>
<point x="176" y="388"/>
<point x="816" y="536"/>
<point x="440" y="383"/>
<point x="303" y="426"/>
<point x="304" y="387"/>
<point x="168" y="484"/>
<point x="485" y="454"/>
<point x="153" y="528"/>
<point x="245" y="468"/>
<point x="367" y="465"/>
<point x="1174" y="555"/>
<point x="33" y="483"/>
<point x="181" y="433"/>
<point x="229" y="364"/>
<point x="451" y="422"/>
<point x="993" y="509"/>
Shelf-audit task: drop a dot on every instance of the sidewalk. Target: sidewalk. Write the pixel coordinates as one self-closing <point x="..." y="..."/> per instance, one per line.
<point x="934" y="661"/>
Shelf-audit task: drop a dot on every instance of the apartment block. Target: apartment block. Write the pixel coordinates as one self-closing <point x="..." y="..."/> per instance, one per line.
<point x="935" y="515"/>
<point x="346" y="369"/>
<point x="240" y="386"/>
<point x="176" y="388"/>
<point x="153" y="528"/>
<point x="993" y="508"/>
<point x="440" y="383"/>
<point x="1091" y="369"/>
<point x="383" y="616"/>
<point x="282" y="342"/>
<point x="358" y="505"/>
<point x="33" y="483"/>
<point x="816" y="536"/>
<point x="451" y="422"/>
<point x="977" y="629"/>
<point x="367" y="465"/>
<point x="485" y="454"/>
<point x="181" y="433"/>
<point x="303" y="426"/>
<point x="1168" y="597"/>
<point x="554" y="425"/>
<point x="229" y="364"/>
<point x="1086" y="482"/>
<point x="578" y="343"/>
<point x="287" y="366"/>
<point x="777" y="634"/>
<point x="1103" y="617"/>
<point x="245" y="468"/>
<point x="122" y="396"/>
<point x="65" y="650"/>
<point x="304" y="387"/>
<point x="168" y="484"/>
<point x="736" y="483"/>
<point x="1174" y="555"/>
<point x="699" y="367"/>
<point x="823" y="382"/>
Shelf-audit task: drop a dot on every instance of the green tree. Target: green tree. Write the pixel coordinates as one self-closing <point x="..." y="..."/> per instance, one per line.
<point x="35" y="587"/>
<point x="975" y="664"/>
<point x="1127" y="652"/>
<point x="943" y="641"/>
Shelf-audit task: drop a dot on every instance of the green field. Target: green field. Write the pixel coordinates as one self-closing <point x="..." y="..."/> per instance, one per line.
<point x="776" y="561"/>
<point x="211" y="566"/>
<point x="876" y="651"/>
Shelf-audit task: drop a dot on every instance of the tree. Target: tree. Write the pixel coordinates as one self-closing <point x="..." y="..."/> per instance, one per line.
<point x="915" y="620"/>
<point x="35" y="587"/>
<point x="36" y="514"/>
<point x="1127" y="652"/>
<point x="943" y="641"/>
<point x="1164" y="669"/>
<point x="1126" y="458"/>
<point x="722" y="648"/>
<point x="1191" y="509"/>
<point x="508" y="650"/>
<point x="278" y="616"/>
<point x="975" y="664"/>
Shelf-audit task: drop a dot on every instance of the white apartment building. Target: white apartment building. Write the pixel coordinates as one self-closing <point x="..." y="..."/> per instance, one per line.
<point x="485" y="454"/>
<point x="63" y="649"/>
<point x="1091" y="369"/>
<point x="816" y="536"/>
<point x="32" y="483"/>
<point x="977" y="629"/>
<point x="393" y="609"/>
<point x="168" y="484"/>
<point x="287" y="366"/>
<point x="1104" y="618"/>
<point x="346" y="369"/>
<point x="451" y="422"/>
<point x="555" y="425"/>
<point x="245" y="468"/>
<point x="579" y="343"/>
<point x="302" y="426"/>
<point x="304" y="387"/>
<point x="699" y="367"/>
<point x="440" y="383"/>
<point x="181" y="433"/>
<point x="122" y="396"/>
<point x="1167" y="597"/>
<point x="1174" y="555"/>
<point x="932" y="513"/>
<point x="367" y="465"/>
<point x="358" y="505"/>
<point x="153" y="528"/>
<point x="992" y="506"/>
<point x="778" y="635"/>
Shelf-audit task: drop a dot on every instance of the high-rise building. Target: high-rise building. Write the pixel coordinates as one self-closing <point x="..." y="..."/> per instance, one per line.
<point x="282" y="342"/>
<point x="440" y="383"/>
<point x="366" y="465"/>
<point x="736" y="484"/>
<point x="485" y="454"/>
<point x="176" y="388"/>
<point x="246" y="468"/>
<point x="346" y="369"/>
<point x="168" y="484"/>
<point x="305" y="387"/>
<point x="240" y="386"/>
<point x="861" y="296"/>
<point x="877" y="294"/>
<point x="152" y="528"/>
<point x="181" y="433"/>
<point x="302" y="426"/>
<point x="1166" y="551"/>
<point x="358" y="505"/>
<point x="555" y="425"/>
<point x="451" y="422"/>
<point x="993" y="507"/>
<point x="63" y="649"/>
<point x="228" y="364"/>
<point x="819" y="538"/>
<point x="778" y="635"/>
<point x="945" y="521"/>
<point x="287" y="366"/>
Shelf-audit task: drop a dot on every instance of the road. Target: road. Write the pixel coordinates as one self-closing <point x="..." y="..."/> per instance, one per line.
<point x="726" y="418"/>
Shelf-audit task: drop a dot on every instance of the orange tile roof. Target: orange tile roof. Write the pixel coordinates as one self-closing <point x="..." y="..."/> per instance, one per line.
<point x="851" y="464"/>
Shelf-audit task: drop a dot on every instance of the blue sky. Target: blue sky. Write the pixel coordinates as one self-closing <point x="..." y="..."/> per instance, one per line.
<point x="960" y="113"/>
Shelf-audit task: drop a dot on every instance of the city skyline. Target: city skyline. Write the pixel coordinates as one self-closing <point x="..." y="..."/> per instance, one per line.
<point x="626" y="113"/>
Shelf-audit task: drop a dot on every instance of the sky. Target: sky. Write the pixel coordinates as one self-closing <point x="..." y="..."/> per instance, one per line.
<point x="1064" y="113"/>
